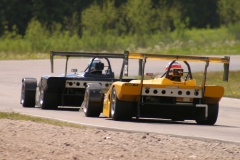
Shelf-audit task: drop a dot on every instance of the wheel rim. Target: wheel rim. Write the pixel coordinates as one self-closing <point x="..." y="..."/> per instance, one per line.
<point x="86" y="102"/>
<point x="113" y="103"/>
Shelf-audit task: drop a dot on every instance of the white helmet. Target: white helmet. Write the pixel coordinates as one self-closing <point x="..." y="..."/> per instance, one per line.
<point x="97" y="65"/>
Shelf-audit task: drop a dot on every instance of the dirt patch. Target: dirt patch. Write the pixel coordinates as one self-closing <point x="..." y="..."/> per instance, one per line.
<point x="31" y="140"/>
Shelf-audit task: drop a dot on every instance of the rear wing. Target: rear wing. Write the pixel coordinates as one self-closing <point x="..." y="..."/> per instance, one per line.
<point x="83" y="54"/>
<point x="225" y="60"/>
<point x="143" y="56"/>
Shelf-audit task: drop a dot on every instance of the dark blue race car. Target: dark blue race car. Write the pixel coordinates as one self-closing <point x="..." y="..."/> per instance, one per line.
<point x="68" y="89"/>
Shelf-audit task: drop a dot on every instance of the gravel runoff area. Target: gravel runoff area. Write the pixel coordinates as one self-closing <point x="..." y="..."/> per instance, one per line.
<point x="26" y="140"/>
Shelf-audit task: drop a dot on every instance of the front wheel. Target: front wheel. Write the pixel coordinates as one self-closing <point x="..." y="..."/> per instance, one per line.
<point x="120" y="110"/>
<point x="212" y="115"/>
<point x="28" y="92"/>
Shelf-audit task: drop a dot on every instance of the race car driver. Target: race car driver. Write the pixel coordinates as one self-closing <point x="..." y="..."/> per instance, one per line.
<point x="175" y="72"/>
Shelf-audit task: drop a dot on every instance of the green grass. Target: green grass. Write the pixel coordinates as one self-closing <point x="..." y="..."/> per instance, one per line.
<point x="17" y="116"/>
<point x="232" y="87"/>
<point x="190" y="42"/>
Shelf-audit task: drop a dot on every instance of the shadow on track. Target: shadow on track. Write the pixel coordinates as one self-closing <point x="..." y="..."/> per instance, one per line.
<point x="168" y="121"/>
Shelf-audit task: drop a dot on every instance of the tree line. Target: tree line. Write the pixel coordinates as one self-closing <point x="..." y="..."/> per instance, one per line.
<point x="116" y="17"/>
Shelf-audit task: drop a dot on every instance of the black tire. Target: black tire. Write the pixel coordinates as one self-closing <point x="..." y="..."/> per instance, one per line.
<point x="120" y="110"/>
<point x="28" y="92"/>
<point x="91" y="109"/>
<point x="48" y="101"/>
<point x="212" y="115"/>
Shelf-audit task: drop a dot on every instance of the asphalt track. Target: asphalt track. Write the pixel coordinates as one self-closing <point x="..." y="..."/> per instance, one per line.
<point x="227" y="127"/>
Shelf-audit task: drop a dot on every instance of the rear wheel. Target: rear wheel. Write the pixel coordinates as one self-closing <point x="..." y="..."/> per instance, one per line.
<point x="212" y="115"/>
<point x="120" y="110"/>
<point x="28" y="92"/>
<point x="91" y="109"/>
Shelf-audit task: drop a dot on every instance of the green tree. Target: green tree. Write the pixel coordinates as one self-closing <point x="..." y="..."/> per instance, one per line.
<point x="200" y="13"/>
<point x="229" y="11"/>
<point x="36" y="35"/>
<point x="99" y="19"/>
<point x="15" y="13"/>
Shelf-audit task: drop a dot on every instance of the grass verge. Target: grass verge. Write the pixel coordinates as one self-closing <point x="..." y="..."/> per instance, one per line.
<point x="17" y="116"/>
<point x="232" y="87"/>
<point x="191" y="42"/>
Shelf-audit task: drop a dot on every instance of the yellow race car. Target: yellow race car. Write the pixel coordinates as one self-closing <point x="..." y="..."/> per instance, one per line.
<point x="174" y="95"/>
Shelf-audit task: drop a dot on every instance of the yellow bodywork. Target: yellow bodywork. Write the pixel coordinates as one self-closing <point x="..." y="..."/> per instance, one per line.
<point x="131" y="91"/>
<point x="213" y="94"/>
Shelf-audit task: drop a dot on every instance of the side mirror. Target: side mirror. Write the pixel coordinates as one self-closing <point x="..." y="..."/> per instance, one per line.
<point x="74" y="70"/>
